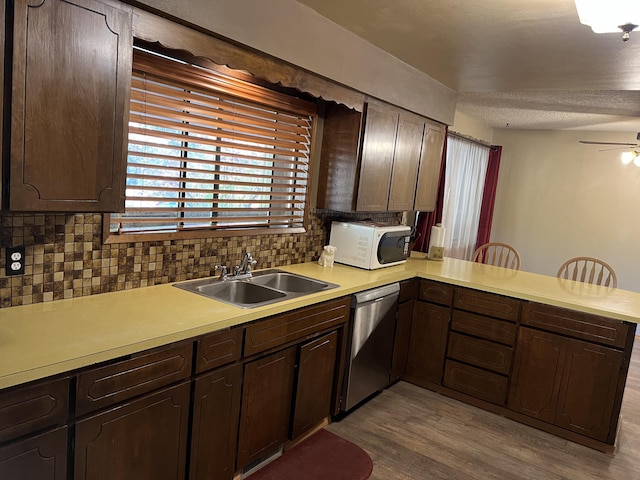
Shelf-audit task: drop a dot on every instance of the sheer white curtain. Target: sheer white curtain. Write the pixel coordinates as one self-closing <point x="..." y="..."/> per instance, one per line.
<point x="466" y="168"/>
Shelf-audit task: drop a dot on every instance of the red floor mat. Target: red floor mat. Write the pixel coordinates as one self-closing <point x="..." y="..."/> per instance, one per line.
<point x="323" y="456"/>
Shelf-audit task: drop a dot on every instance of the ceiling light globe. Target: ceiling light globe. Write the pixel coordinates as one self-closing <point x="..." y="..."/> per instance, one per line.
<point x="607" y="16"/>
<point x="636" y="161"/>
<point x="628" y="157"/>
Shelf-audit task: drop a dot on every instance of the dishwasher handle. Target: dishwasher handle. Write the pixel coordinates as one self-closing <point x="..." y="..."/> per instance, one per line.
<point x="375" y="294"/>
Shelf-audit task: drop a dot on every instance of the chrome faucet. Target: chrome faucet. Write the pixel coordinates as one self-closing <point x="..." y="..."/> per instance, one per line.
<point x="223" y="271"/>
<point x="245" y="266"/>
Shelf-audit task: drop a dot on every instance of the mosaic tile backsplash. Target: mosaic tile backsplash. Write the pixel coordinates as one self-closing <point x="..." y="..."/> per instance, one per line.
<point x="65" y="257"/>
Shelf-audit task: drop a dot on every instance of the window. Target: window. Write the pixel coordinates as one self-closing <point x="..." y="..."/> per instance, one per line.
<point x="211" y="152"/>
<point x="465" y="171"/>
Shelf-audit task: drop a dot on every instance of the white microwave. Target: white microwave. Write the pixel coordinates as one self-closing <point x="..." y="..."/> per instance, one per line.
<point x="369" y="244"/>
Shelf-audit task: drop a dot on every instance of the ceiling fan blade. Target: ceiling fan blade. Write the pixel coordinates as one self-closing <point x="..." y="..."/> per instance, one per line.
<point x="616" y="148"/>
<point x="609" y="143"/>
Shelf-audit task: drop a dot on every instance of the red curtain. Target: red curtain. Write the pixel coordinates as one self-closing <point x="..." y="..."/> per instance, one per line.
<point x="426" y="220"/>
<point x="489" y="196"/>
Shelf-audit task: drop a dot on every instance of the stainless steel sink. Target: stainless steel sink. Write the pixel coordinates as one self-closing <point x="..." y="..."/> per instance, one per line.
<point x="261" y="288"/>
<point x="239" y="293"/>
<point x="289" y="282"/>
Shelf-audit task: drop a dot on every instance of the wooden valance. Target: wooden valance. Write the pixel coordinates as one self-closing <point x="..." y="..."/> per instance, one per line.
<point x="173" y="35"/>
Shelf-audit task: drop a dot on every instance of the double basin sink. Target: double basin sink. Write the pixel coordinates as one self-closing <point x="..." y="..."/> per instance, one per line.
<point x="261" y="288"/>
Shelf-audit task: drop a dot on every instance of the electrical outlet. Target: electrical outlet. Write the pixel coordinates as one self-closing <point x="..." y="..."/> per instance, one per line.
<point x="15" y="260"/>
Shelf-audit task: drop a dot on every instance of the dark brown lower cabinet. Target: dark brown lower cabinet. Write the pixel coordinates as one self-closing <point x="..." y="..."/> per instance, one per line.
<point x="403" y="336"/>
<point x="143" y="438"/>
<point x="537" y="374"/>
<point x="591" y="371"/>
<point x="43" y="457"/>
<point x="428" y="344"/>
<point x="314" y="389"/>
<point x="266" y="406"/>
<point x="478" y="367"/>
<point x="570" y="383"/>
<point x="216" y="413"/>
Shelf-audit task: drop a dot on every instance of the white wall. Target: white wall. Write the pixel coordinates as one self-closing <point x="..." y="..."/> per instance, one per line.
<point x="472" y="128"/>
<point x="294" y="32"/>
<point x="557" y="199"/>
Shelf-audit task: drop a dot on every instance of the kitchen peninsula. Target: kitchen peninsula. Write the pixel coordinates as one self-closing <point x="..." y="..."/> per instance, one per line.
<point x="529" y="317"/>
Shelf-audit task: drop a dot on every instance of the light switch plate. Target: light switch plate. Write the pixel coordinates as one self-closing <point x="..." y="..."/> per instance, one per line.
<point x="15" y="261"/>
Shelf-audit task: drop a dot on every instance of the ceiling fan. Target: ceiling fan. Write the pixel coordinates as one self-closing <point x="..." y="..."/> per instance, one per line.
<point x="631" y="153"/>
<point x="620" y="145"/>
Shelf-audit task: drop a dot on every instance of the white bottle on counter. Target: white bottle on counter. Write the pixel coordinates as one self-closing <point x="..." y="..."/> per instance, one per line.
<point x="436" y="242"/>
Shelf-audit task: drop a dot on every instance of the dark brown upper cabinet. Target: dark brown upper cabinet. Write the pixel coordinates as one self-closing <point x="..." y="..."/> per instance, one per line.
<point x="383" y="159"/>
<point x="2" y="79"/>
<point x="429" y="167"/>
<point x="70" y="96"/>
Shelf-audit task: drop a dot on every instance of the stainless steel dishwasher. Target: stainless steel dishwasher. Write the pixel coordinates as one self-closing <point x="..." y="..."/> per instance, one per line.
<point x="373" y="321"/>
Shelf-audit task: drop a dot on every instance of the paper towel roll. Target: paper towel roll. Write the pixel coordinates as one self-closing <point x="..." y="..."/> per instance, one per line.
<point x="436" y="242"/>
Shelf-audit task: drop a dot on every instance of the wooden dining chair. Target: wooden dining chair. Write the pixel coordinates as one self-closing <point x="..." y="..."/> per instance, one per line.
<point x="498" y="254"/>
<point x="588" y="270"/>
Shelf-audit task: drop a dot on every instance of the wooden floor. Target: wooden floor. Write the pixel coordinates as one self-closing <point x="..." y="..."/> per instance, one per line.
<point x="413" y="433"/>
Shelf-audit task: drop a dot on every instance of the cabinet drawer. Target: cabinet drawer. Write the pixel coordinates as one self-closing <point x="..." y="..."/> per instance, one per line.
<point x="487" y="304"/>
<point x="27" y="409"/>
<point x="408" y="291"/>
<point x="586" y="326"/>
<point x="484" y="327"/>
<point x="218" y="349"/>
<point x="476" y="382"/>
<point x="105" y="386"/>
<point x="480" y="353"/>
<point x="288" y="327"/>
<point x="435" y="292"/>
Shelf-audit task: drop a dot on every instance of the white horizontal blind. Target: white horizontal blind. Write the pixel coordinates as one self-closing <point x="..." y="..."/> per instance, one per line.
<point x="212" y="152"/>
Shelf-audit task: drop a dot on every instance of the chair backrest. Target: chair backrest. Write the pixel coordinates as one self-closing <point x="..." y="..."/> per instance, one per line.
<point x="588" y="270"/>
<point x="498" y="254"/>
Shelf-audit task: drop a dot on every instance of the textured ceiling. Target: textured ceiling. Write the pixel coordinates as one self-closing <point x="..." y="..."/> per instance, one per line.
<point x="516" y="64"/>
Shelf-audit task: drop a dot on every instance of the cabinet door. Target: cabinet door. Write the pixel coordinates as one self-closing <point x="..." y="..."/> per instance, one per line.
<point x="429" y="170"/>
<point x="71" y="81"/>
<point x="145" y="438"/>
<point x="266" y="405"/>
<point x="428" y="343"/>
<point x="537" y="374"/>
<point x="39" y="458"/>
<point x="377" y="158"/>
<point x="338" y="175"/>
<point x="315" y="383"/>
<point x="591" y="372"/>
<point x="405" y="163"/>
<point x="402" y="339"/>
<point x="216" y="412"/>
